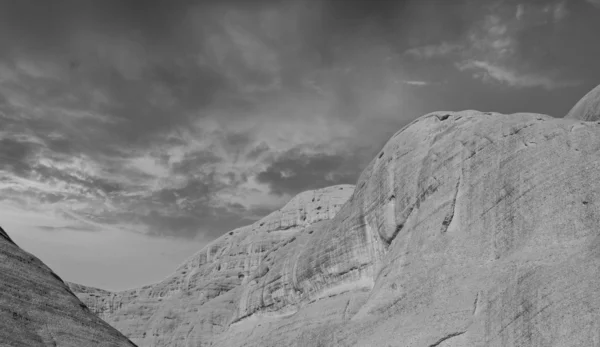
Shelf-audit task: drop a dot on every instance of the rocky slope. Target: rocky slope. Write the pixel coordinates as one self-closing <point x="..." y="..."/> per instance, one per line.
<point x="37" y="309"/>
<point x="199" y="300"/>
<point x="467" y="229"/>
<point x="588" y="108"/>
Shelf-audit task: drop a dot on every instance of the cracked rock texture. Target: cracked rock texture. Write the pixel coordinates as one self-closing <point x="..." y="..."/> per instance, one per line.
<point x="37" y="309"/>
<point x="467" y="229"/>
<point x="588" y="108"/>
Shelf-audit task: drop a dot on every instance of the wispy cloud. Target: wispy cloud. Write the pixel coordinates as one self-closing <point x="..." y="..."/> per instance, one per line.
<point x="495" y="51"/>
<point x="492" y="46"/>
<point x="594" y="2"/>
<point x="179" y="119"/>
<point x="431" y="51"/>
<point x="74" y="227"/>
<point x="536" y="13"/>
<point x="186" y="119"/>
<point x="499" y="74"/>
<point x="186" y="131"/>
<point x="420" y="83"/>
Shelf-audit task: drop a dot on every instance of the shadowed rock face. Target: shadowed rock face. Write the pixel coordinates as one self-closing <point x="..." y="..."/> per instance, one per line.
<point x="588" y="108"/>
<point x="37" y="309"/>
<point x="467" y="229"/>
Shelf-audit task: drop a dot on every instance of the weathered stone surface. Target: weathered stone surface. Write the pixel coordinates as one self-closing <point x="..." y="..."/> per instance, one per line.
<point x="468" y="229"/>
<point x="588" y="108"/>
<point x="37" y="309"/>
<point x="200" y="299"/>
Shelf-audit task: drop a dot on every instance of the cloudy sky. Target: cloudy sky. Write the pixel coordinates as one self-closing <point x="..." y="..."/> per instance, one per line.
<point x="134" y="132"/>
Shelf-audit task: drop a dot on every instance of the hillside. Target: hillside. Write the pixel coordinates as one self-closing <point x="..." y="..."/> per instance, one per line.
<point x="467" y="229"/>
<point x="37" y="309"/>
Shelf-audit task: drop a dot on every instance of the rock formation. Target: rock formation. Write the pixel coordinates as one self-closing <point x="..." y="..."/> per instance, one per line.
<point x="199" y="300"/>
<point x="467" y="229"/>
<point x="588" y="108"/>
<point x="37" y="309"/>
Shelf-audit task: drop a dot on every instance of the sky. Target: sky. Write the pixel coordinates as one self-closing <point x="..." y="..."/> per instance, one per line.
<point x="132" y="133"/>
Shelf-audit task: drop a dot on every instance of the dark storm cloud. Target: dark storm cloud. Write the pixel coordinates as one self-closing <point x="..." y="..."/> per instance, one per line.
<point x="538" y="44"/>
<point x="51" y="198"/>
<point x="200" y="189"/>
<point x="237" y="141"/>
<point x="15" y="155"/>
<point x="115" y="91"/>
<point x="257" y="150"/>
<point x="211" y="222"/>
<point x="294" y="171"/>
<point x="87" y="183"/>
<point x="193" y="161"/>
<point x="191" y="210"/>
<point x="125" y="52"/>
<point x="156" y="65"/>
<point x="48" y="23"/>
<point x="160" y="224"/>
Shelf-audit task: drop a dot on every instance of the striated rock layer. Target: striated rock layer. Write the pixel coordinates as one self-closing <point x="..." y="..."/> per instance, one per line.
<point x="588" y="108"/>
<point x="467" y="229"/>
<point x="200" y="299"/>
<point x="37" y="309"/>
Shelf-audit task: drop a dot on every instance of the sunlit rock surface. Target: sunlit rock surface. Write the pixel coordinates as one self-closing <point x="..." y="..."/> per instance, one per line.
<point x="37" y="309"/>
<point x="588" y="108"/>
<point x="201" y="298"/>
<point x="467" y="229"/>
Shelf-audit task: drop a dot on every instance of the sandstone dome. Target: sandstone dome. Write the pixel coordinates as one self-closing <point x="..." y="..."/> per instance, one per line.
<point x="588" y="108"/>
<point x="467" y="229"/>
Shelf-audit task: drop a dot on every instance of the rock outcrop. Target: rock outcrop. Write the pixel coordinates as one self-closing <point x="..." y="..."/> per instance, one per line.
<point x="37" y="309"/>
<point x="588" y="108"/>
<point x="199" y="300"/>
<point x="467" y="229"/>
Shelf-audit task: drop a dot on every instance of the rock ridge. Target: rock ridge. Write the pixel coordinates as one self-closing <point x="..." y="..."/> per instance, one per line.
<point x="37" y="309"/>
<point x="219" y="267"/>
<point x="467" y="229"/>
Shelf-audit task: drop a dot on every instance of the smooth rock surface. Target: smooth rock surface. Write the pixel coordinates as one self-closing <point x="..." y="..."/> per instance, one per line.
<point x="467" y="229"/>
<point x="37" y="309"/>
<point x="588" y="108"/>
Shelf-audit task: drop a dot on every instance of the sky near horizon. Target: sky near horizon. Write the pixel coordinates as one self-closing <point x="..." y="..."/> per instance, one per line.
<point x="132" y="132"/>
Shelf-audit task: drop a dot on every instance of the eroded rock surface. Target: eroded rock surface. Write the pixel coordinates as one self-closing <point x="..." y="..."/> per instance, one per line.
<point x="467" y="229"/>
<point x="588" y="108"/>
<point x="37" y="309"/>
<point x="200" y="299"/>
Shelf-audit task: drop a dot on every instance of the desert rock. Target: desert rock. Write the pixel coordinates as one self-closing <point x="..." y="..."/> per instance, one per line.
<point x="588" y="108"/>
<point x="467" y="229"/>
<point x="38" y="309"/>
<point x="199" y="300"/>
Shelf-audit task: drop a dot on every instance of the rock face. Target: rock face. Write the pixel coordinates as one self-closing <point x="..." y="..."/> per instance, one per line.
<point x="467" y="229"/>
<point x="588" y="108"/>
<point x="200" y="299"/>
<point x="37" y="309"/>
